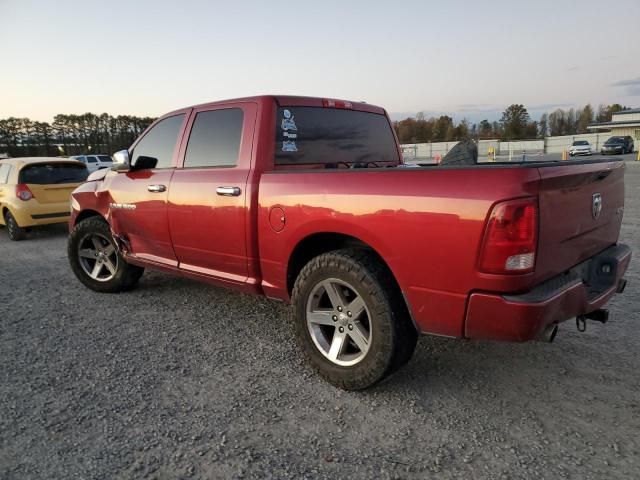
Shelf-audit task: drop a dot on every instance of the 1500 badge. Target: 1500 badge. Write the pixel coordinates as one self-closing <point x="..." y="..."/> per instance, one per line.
<point x="122" y="206"/>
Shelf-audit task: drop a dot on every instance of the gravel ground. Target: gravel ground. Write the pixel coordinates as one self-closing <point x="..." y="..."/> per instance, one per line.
<point x="177" y="379"/>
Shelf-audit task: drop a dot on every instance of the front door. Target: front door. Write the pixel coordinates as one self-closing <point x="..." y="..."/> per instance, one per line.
<point x="207" y="197"/>
<point x="138" y="206"/>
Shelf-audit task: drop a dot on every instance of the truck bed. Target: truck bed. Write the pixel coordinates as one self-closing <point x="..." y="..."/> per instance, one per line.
<point x="427" y="223"/>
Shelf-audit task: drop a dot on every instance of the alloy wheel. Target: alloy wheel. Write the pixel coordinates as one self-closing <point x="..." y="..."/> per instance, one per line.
<point x="339" y="322"/>
<point x="98" y="257"/>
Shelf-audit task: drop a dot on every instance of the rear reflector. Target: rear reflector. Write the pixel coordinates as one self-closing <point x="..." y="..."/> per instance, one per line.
<point x="511" y="237"/>
<point x="327" y="102"/>
<point x="23" y="192"/>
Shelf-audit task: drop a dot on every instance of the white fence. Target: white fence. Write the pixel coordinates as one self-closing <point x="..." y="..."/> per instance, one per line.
<point x="558" y="144"/>
<point x="507" y="150"/>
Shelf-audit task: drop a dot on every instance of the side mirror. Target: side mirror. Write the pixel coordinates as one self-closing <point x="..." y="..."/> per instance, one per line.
<point x="121" y="161"/>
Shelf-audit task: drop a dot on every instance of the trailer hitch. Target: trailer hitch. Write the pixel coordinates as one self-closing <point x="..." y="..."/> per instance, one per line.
<point x="600" y="315"/>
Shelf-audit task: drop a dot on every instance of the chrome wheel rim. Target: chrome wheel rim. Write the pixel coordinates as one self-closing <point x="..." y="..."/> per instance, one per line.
<point x="339" y="322"/>
<point x="98" y="258"/>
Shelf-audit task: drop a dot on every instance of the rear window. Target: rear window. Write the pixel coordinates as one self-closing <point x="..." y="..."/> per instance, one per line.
<point x="50" y="173"/>
<point x="315" y="135"/>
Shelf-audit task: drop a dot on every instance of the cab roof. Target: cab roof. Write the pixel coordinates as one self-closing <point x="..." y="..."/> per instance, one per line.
<point x="290" y="101"/>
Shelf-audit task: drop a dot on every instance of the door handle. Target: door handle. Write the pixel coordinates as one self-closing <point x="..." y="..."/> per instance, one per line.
<point x="228" y="191"/>
<point x="156" y="188"/>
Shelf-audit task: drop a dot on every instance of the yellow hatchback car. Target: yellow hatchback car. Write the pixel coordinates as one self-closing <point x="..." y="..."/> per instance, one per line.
<point x="36" y="191"/>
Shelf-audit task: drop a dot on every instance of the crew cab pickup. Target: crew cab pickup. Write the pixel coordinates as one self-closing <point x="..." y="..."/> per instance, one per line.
<point x="307" y="200"/>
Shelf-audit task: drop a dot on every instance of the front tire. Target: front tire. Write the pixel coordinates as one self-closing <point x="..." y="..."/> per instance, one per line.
<point x="96" y="260"/>
<point x="350" y="319"/>
<point x="14" y="231"/>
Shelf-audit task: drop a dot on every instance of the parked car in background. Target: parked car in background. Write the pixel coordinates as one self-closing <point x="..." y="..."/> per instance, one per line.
<point x="94" y="162"/>
<point x="307" y="200"/>
<point x="580" y="147"/>
<point x="36" y="191"/>
<point x="618" y="145"/>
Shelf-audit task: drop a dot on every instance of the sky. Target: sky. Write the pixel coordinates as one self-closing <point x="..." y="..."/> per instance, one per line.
<point x="468" y="59"/>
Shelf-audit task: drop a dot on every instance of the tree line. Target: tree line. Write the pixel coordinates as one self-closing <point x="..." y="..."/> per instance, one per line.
<point x="104" y="133"/>
<point x="70" y="134"/>
<point x="514" y="124"/>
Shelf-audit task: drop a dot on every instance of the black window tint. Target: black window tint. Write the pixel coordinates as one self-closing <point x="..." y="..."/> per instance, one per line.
<point x="48" y="173"/>
<point x="104" y="158"/>
<point x="215" y="139"/>
<point x="92" y="160"/>
<point x="306" y="135"/>
<point x="158" y="143"/>
<point x="4" y="173"/>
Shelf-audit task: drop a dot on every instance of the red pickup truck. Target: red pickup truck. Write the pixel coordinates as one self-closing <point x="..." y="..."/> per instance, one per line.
<point x="307" y="200"/>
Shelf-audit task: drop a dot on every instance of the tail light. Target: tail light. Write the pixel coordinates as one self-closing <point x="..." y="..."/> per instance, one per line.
<point x="511" y="238"/>
<point x="327" y="102"/>
<point x="23" y="192"/>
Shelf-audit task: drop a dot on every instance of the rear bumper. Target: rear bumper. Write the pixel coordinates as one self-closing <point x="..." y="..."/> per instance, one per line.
<point x="32" y="213"/>
<point x="522" y="317"/>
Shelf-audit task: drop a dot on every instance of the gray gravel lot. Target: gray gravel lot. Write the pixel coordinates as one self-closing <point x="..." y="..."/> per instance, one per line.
<point x="177" y="379"/>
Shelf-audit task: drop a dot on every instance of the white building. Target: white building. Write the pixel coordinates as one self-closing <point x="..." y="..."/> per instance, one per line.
<point x="626" y="122"/>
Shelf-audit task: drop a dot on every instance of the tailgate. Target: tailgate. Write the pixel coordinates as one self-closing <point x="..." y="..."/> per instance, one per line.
<point x="52" y="193"/>
<point x="581" y="209"/>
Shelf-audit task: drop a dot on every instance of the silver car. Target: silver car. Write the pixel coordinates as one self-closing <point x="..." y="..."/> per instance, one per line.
<point x="580" y="147"/>
<point x="94" y="162"/>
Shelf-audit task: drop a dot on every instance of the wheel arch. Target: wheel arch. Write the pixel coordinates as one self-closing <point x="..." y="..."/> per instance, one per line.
<point x="88" y="213"/>
<point x="318" y="243"/>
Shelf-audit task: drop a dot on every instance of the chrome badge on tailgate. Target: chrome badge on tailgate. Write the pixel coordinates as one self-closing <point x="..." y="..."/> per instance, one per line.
<point x="596" y="205"/>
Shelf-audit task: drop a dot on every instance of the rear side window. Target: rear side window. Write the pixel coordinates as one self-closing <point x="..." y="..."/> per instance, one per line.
<point x="158" y="143"/>
<point x="315" y="135"/>
<point x="4" y="173"/>
<point x="51" y="173"/>
<point x="215" y="139"/>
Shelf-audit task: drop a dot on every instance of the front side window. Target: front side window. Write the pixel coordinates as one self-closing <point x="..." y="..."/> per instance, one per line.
<point x="4" y="173"/>
<point x="215" y="139"/>
<point x="105" y="158"/>
<point x="155" y="150"/>
<point x="317" y="135"/>
<point x="92" y="160"/>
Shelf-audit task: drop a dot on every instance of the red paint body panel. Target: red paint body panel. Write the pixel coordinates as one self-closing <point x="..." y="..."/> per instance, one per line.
<point x="427" y="224"/>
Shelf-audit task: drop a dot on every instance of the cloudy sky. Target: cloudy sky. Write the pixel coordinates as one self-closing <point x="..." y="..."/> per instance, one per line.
<point x="466" y="58"/>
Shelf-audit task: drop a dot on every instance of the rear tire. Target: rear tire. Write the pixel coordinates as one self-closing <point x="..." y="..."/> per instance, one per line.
<point x="96" y="260"/>
<point x="15" y="232"/>
<point x="374" y="340"/>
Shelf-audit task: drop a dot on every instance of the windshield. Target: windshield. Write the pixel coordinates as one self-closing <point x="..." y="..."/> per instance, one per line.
<point x="51" y="173"/>
<point x="317" y="135"/>
<point x="614" y="141"/>
<point x="580" y="142"/>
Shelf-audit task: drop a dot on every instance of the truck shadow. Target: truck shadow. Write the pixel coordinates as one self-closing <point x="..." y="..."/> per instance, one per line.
<point x="441" y="368"/>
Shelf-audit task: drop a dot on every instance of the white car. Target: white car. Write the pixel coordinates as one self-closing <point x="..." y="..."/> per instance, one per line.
<point x="94" y="162"/>
<point x="580" y="147"/>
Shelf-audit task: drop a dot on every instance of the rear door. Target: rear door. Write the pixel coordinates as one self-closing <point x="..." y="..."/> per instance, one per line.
<point x="138" y="207"/>
<point x="207" y="198"/>
<point x="581" y="208"/>
<point x="52" y="182"/>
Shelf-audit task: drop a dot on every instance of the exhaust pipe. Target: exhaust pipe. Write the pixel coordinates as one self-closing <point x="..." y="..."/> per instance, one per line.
<point x="549" y="333"/>
<point x="621" y="285"/>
